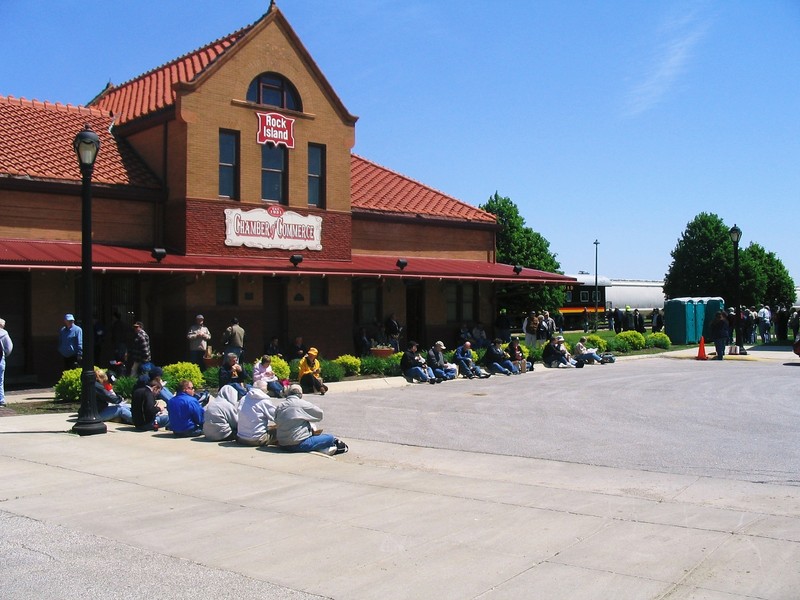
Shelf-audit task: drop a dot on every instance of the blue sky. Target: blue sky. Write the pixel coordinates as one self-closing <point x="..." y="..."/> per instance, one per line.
<point x="616" y="120"/>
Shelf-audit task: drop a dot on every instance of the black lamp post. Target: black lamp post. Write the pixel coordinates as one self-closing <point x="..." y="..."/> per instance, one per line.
<point x="736" y="235"/>
<point x="596" y="295"/>
<point x="86" y="145"/>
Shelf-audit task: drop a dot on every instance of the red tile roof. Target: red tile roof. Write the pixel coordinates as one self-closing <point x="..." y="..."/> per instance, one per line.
<point x="36" y="142"/>
<point x="155" y="90"/>
<point x="43" y="255"/>
<point x="376" y="189"/>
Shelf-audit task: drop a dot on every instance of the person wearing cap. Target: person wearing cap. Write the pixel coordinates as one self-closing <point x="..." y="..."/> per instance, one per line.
<point x="185" y="413"/>
<point x="297" y="426"/>
<point x="413" y="366"/>
<point x="70" y="343"/>
<point x="198" y="337"/>
<point x="146" y="411"/>
<point x="308" y="374"/>
<point x="555" y="354"/>
<point x="256" y="425"/>
<point x="6" y="346"/>
<point x="497" y="360"/>
<point x="441" y="368"/>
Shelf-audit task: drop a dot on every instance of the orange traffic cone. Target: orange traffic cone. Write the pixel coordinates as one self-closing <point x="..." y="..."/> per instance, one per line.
<point x="701" y="351"/>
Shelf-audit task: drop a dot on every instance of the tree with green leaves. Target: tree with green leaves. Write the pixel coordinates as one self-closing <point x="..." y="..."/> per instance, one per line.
<point x="517" y="244"/>
<point x="702" y="265"/>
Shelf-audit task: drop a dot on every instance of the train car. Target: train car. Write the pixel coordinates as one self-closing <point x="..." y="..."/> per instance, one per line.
<point x="582" y="295"/>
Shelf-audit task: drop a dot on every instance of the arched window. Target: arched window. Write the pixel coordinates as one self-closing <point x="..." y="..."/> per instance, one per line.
<point x="274" y="90"/>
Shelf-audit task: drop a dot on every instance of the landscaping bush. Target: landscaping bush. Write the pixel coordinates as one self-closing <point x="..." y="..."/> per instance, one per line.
<point x="619" y="344"/>
<point x="595" y="341"/>
<point x="659" y="340"/>
<point x="350" y="363"/>
<point x="385" y="367"/>
<point x="294" y="369"/>
<point x="68" y="388"/>
<point x="280" y="367"/>
<point x="123" y="386"/>
<point x="331" y="371"/>
<point x="634" y="339"/>
<point x="393" y="365"/>
<point x="535" y="354"/>
<point x="176" y="372"/>
<point x="211" y="376"/>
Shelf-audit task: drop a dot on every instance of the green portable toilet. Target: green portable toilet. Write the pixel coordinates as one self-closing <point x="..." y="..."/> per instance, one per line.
<point x="679" y="320"/>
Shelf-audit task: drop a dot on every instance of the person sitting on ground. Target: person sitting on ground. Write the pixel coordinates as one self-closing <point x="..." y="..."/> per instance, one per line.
<point x="110" y="406"/>
<point x="222" y="415"/>
<point x="274" y="347"/>
<point x="309" y="374"/>
<point x="555" y="354"/>
<point x="465" y="334"/>
<point x="297" y="428"/>
<point x="441" y="368"/>
<point x="232" y="373"/>
<point x="262" y="371"/>
<point x="466" y="362"/>
<point x="185" y="413"/>
<point x="497" y="360"/>
<point x="587" y="355"/>
<point x="481" y="340"/>
<point x="298" y="349"/>
<point x="154" y="373"/>
<point x="147" y="412"/>
<point x="256" y="418"/>
<point x="413" y="366"/>
<point x="518" y="357"/>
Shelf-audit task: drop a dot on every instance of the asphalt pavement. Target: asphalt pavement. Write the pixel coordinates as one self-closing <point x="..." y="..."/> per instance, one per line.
<point x="653" y="478"/>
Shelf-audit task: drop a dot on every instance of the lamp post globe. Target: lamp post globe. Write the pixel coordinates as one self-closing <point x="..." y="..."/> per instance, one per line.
<point x="86" y="146"/>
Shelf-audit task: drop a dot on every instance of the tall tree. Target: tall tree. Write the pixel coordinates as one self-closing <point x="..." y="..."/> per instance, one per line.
<point x="702" y="261"/>
<point x="517" y="244"/>
<point x="774" y="285"/>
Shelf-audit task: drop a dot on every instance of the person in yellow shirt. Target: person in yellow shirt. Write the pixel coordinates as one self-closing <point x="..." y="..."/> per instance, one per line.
<point x="309" y="374"/>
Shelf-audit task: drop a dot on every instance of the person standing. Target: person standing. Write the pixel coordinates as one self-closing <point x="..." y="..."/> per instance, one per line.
<point x="6" y="346"/>
<point x="198" y="337"/>
<point x="585" y="316"/>
<point x="233" y="339"/>
<point x="140" y="349"/>
<point x="720" y="331"/>
<point x="658" y="320"/>
<point x="70" y="343"/>
<point x="392" y="329"/>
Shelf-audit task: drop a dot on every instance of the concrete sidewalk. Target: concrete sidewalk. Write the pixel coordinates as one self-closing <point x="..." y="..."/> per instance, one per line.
<point x="383" y="521"/>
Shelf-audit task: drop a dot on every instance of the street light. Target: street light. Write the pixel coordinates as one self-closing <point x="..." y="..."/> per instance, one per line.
<point x="596" y="295"/>
<point x="736" y="235"/>
<point x="86" y="146"/>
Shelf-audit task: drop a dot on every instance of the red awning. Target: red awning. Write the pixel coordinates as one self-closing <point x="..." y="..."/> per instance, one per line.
<point x="44" y="255"/>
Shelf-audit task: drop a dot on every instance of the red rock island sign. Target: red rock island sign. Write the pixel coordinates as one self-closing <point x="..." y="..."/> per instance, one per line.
<point x="274" y="127"/>
<point x="273" y="227"/>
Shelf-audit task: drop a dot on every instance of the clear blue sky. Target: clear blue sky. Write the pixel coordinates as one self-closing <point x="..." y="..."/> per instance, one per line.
<point x="611" y="120"/>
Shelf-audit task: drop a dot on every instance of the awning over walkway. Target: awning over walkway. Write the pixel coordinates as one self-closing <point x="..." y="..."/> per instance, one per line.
<point x="23" y="255"/>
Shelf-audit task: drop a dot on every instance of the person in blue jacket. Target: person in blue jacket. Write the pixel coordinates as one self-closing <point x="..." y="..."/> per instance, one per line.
<point x="185" y="412"/>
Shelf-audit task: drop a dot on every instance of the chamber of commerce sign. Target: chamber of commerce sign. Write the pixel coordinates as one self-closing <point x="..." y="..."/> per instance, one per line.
<point x="272" y="228"/>
<point x="275" y="128"/>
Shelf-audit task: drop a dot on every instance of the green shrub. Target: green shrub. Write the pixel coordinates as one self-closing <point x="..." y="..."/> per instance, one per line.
<point x="660" y="340"/>
<point x="294" y="369"/>
<point x="634" y="339"/>
<point x="68" y="388"/>
<point x="176" y="372"/>
<point x="385" y="367"/>
<point x="595" y="341"/>
<point x="350" y="363"/>
<point x="123" y="386"/>
<point x="619" y="344"/>
<point x="280" y="367"/>
<point x="535" y="354"/>
<point x="393" y="364"/>
<point x="211" y="375"/>
<point x="331" y="371"/>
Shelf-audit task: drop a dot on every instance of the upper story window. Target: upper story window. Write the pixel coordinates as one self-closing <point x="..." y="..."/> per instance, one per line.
<point x="274" y="176"/>
<point x="316" y="175"/>
<point x="274" y="90"/>
<point x="229" y="164"/>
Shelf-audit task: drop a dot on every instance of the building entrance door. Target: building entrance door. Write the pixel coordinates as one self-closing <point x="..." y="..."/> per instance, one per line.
<point x="415" y="314"/>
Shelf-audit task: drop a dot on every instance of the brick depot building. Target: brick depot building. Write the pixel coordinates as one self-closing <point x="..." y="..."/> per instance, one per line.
<point x="237" y="160"/>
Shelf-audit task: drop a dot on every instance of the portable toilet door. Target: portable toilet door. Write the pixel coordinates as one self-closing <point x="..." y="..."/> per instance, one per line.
<point x="700" y="319"/>
<point x="679" y="320"/>
<point x="692" y="335"/>
<point x="712" y="307"/>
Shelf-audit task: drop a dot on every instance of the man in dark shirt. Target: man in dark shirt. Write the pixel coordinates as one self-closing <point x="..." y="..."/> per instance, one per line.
<point x="145" y="410"/>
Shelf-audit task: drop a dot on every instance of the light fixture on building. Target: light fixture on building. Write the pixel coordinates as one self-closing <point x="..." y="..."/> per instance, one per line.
<point x="401" y="263"/>
<point x="517" y="269"/>
<point x="298" y="297"/>
<point x="296" y="259"/>
<point x="158" y="254"/>
<point x="87" y="145"/>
